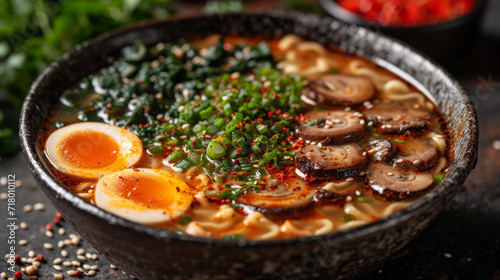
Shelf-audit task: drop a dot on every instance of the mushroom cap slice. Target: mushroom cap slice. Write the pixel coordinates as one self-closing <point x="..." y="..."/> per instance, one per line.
<point x="416" y="154"/>
<point x="382" y="177"/>
<point x="278" y="199"/>
<point x="332" y="162"/>
<point x="339" y="126"/>
<point x="379" y="149"/>
<point x="399" y="117"/>
<point x="340" y="89"/>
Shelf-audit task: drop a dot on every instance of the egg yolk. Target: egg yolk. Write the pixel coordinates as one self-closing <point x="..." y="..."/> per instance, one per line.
<point x="146" y="191"/>
<point x="88" y="149"/>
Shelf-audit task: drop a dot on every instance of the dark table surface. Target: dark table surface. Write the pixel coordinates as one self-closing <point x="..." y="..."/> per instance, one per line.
<point x="463" y="242"/>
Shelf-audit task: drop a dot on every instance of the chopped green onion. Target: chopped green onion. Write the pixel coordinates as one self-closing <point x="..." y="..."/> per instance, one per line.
<point x="233" y="236"/>
<point x="194" y="158"/>
<point x="207" y="113"/>
<point x="334" y="70"/>
<point x="156" y="150"/>
<point x="397" y="140"/>
<point x="348" y="217"/>
<point x="228" y="110"/>
<point x="438" y="178"/>
<point x="185" y="220"/>
<point x="176" y="156"/>
<point x="270" y="156"/>
<point x="199" y="128"/>
<point x="215" y="150"/>
<point x="212" y="129"/>
<point x="220" y="123"/>
<point x="362" y="199"/>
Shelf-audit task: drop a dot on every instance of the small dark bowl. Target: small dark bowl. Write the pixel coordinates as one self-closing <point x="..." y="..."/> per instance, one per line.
<point x="152" y="253"/>
<point x="442" y="41"/>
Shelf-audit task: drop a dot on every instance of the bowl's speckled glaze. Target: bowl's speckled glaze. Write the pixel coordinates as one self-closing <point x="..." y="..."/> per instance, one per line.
<point x="151" y="253"/>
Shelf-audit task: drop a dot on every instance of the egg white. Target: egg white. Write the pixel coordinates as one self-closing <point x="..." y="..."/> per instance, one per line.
<point x="130" y="148"/>
<point x="107" y="197"/>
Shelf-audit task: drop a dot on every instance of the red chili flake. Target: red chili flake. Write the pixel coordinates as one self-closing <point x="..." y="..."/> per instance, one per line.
<point x="108" y="112"/>
<point x="39" y="258"/>
<point x="389" y="138"/>
<point x="136" y="170"/>
<point x="147" y="110"/>
<point x="48" y="227"/>
<point x="58" y="215"/>
<point x="147" y="125"/>
<point x="56" y="221"/>
<point x="127" y="127"/>
<point x="78" y="273"/>
<point x="270" y="114"/>
<point x="264" y="90"/>
<point x="33" y="277"/>
<point x="18" y="275"/>
<point x="17" y="260"/>
<point x="109" y="106"/>
<point x="167" y="118"/>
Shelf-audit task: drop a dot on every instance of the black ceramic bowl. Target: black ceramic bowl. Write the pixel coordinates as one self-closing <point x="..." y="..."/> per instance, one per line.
<point x="443" y="41"/>
<point x="152" y="253"/>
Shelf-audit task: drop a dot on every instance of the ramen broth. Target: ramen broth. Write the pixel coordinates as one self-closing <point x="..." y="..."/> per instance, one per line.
<point x="247" y="138"/>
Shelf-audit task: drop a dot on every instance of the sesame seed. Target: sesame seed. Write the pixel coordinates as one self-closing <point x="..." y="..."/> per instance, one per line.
<point x="390" y="173"/>
<point x="348" y="198"/>
<point x="49" y="233"/>
<point x="80" y="252"/>
<point x="60" y="244"/>
<point x="320" y="145"/>
<point x="31" y="253"/>
<point x="358" y="193"/>
<point x="39" y="206"/>
<point x="91" y="273"/>
<point x="364" y="153"/>
<point x="67" y="242"/>
<point x="36" y="263"/>
<point x="181" y="109"/>
<point x="347" y="109"/>
<point x="58" y="276"/>
<point x="82" y="258"/>
<point x="256" y="166"/>
<point x="23" y="225"/>
<point x="94" y="267"/>
<point x="57" y="267"/>
<point x="370" y="123"/>
<point x="225" y="98"/>
<point x="18" y="183"/>
<point x="94" y="257"/>
<point x="76" y="263"/>
<point x="64" y="253"/>
<point x="4" y="196"/>
<point x="71" y="272"/>
<point x="24" y="260"/>
<point x="57" y="261"/>
<point x="3" y="181"/>
<point x="399" y="160"/>
<point x="3" y="275"/>
<point x="27" y="208"/>
<point x="112" y="266"/>
<point x="23" y="242"/>
<point x="67" y="263"/>
<point x="61" y="231"/>
<point x="48" y="246"/>
<point x="415" y="162"/>
<point x="88" y="255"/>
<point x="86" y="266"/>
<point x="362" y="121"/>
<point x="447" y="255"/>
<point x="350" y="179"/>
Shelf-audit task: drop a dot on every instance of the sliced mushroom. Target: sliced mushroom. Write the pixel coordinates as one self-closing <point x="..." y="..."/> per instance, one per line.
<point x="399" y="117"/>
<point x="278" y="199"/>
<point x="382" y="177"/>
<point x="339" y="126"/>
<point x="340" y="89"/>
<point x="379" y="149"/>
<point x="332" y="162"/>
<point x="416" y="154"/>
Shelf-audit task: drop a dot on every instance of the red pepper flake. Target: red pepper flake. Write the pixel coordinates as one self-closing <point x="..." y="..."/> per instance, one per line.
<point x="17" y="260"/>
<point x="147" y="125"/>
<point x="39" y="258"/>
<point x="167" y="118"/>
<point x="227" y="46"/>
<point x="18" y="275"/>
<point x="147" y="110"/>
<point x="264" y="90"/>
<point x="58" y="215"/>
<point x="109" y="106"/>
<point x="136" y="170"/>
<point x="108" y="112"/>
<point x="78" y="273"/>
<point x="48" y="227"/>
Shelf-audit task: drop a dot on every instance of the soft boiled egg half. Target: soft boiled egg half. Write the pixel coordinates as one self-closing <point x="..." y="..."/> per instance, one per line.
<point x="146" y="196"/>
<point x="92" y="150"/>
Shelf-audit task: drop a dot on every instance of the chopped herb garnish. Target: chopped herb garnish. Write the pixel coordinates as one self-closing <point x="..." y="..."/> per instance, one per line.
<point x="362" y="199"/>
<point x="397" y="140"/>
<point x="348" y="217"/>
<point x="233" y="236"/>
<point x="438" y="178"/>
<point x="185" y="220"/>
